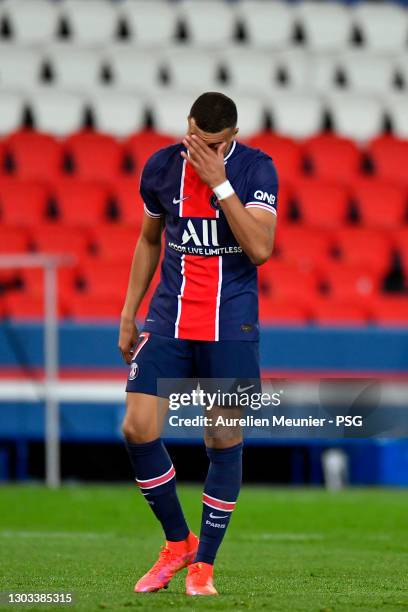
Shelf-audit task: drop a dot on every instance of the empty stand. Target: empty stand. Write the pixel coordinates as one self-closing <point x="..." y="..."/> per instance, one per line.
<point x="304" y="246"/>
<point x="332" y="158"/>
<point x="11" y="111"/>
<point x="390" y="310"/>
<point x="81" y="203"/>
<point x="32" y="21"/>
<point x="149" y="23"/>
<point x="286" y="154"/>
<point x="34" y="155"/>
<point x="258" y="17"/>
<point x="208" y="23"/>
<point x="139" y="147"/>
<point x="75" y="69"/>
<point x="356" y="116"/>
<point x="57" y="112"/>
<point x="134" y="69"/>
<point x="381" y="204"/>
<point x="383" y="26"/>
<point x="94" y="156"/>
<point x="366" y="73"/>
<point x="115" y="243"/>
<point x="365" y="247"/>
<point x="23" y="203"/>
<point x="20" y="67"/>
<point x="90" y="23"/>
<point x="193" y="71"/>
<point x="13" y="240"/>
<point x="56" y="238"/>
<point x="125" y="193"/>
<point x="325" y="26"/>
<point x="350" y="282"/>
<point x="295" y="115"/>
<point x="117" y="113"/>
<point x="390" y="158"/>
<point x="321" y="204"/>
<point x="334" y="312"/>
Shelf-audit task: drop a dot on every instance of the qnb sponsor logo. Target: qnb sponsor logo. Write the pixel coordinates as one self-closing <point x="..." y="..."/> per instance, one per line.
<point x="208" y="235"/>
<point x="264" y="196"/>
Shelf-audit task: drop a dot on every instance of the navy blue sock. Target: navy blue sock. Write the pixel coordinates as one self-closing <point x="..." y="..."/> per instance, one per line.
<point x="221" y="490"/>
<point x="156" y="478"/>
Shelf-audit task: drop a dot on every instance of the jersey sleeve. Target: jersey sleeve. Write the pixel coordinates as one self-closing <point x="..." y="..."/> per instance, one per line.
<point x="262" y="187"/>
<point x="151" y="202"/>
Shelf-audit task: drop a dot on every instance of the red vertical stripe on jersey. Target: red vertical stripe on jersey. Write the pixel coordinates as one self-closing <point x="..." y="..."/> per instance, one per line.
<point x="198" y="317"/>
<point x="197" y="196"/>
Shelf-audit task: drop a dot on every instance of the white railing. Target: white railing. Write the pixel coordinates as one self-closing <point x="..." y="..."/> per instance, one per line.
<point x="50" y="264"/>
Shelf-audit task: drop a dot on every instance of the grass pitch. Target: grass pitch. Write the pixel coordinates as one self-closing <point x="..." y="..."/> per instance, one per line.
<point x="286" y="550"/>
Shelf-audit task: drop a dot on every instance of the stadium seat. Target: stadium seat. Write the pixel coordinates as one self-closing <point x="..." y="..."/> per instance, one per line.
<point x="83" y="306"/>
<point x="57" y="112"/>
<point x="400" y="242"/>
<point x="20" y="67"/>
<point x="355" y="116"/>
<point x="296" y="115"/>
<point x="104" y="278"/>
<point x="293" y="71"/>
<point x="2" y="157"/>
<point x="208" y="23"/>
<point x="257" y="18"/>
<point x="365" y="247"/>
<point x="390" y="158"/>
<point x="249" y="70"/>
<point x="282" y="311"/>
<point x="326" y="26"/>
<point x="139" y="147"/>
<point x="34" y="155"/>
<point x="396" y="107"/>
<point x="384" y="26"/>
<point x="134" y="69"/>
<point x="349" y="281"/>
<point x="56" y="238"/>
<point x="94" y="156"/>
<point x="367" y="74"/>
<point x="381" y="204"/>
<point x="322" y="73"/>
<point x="170" y="112"/>
<point x="193" y="70"/>
<point x="81" y="203"/>
<point x="13" y="240"/>
<point x="20" y="305"/>
<point x="23" y="203"/>
<point x="286" y="280"/>
<point x="332" y="158"/>
<point x="321" y="204"/>
<point x="91" y="23"/>
<point x="390" y="311"/>
<point x="75" y="69"/>
<point x="333" y="312"/>
<point x="125" y="192"/>
<point x="150" y="24"/>
<point x="32" y="21"/>
<point x="303" y="246"/>
<point x="117" y="113"/>
<point x="11" y="111"/>
<point x="115" y="243"/>
<point x="285" y="152"/>
<point x="32" y="280"/>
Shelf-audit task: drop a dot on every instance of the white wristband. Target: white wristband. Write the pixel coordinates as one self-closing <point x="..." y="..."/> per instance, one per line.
<point x="224" y="190"/>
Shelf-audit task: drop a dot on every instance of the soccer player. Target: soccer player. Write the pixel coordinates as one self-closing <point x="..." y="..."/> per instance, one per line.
<point x="216" y="201"/>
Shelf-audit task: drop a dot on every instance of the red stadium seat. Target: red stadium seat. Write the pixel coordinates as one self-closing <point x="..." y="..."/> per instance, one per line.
<point x="85" y="306"/>
<point x="35" y="155"/>
<point x="2" y="157"/>
<point x="22" y="305"/>
<point x="142" y="145"/>
<point x="285" y="280"/>
<point x="23" y="203"/>
<point x="365" y="247"/>
<point x="303" y="246"/>
<point x="81" y="203"/>
<point x="281" y="311"/>
<point x="13" y="240"/>
<point x="95" y="156"/>
<point x="322" y="204"/>
<point x="104" y="278"/>
<point x="390" y="310"/>
<point x="346" y="282"/>
<point x="33" y="280"/>
<point x="390" y="158"/>
<point x="56" y="238"/>
<point x="329" y="311"/>
<point x="286" y="153"/>
<point x="125" y="191"/>
<point x="332" y="157"/>
<point x="381" y="204"/>
<point x="116" y="242"/>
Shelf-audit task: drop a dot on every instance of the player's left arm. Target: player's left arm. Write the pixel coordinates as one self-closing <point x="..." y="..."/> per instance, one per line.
<point x="253" y="227"/>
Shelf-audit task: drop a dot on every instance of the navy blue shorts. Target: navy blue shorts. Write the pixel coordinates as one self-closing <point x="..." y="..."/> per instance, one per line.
<point x="161" y="357"/>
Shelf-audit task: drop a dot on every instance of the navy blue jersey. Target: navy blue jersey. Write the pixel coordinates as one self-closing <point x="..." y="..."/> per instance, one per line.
<point x="208" y="286"/>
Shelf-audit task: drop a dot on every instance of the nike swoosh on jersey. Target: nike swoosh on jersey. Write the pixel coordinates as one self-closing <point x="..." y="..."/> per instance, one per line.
<point x="175" y="201"/>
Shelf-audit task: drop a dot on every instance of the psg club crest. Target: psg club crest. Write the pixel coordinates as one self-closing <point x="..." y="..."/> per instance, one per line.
<point x="134" y="371"/>
<point x="214" y="202"/>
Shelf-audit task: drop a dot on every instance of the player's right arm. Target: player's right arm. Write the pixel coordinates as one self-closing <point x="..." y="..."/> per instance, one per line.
<point x="144" y="263"/>
<point x="145" y="258"/>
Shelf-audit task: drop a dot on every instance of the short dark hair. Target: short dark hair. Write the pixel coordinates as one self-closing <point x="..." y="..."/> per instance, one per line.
<point x="213" y="112"/>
